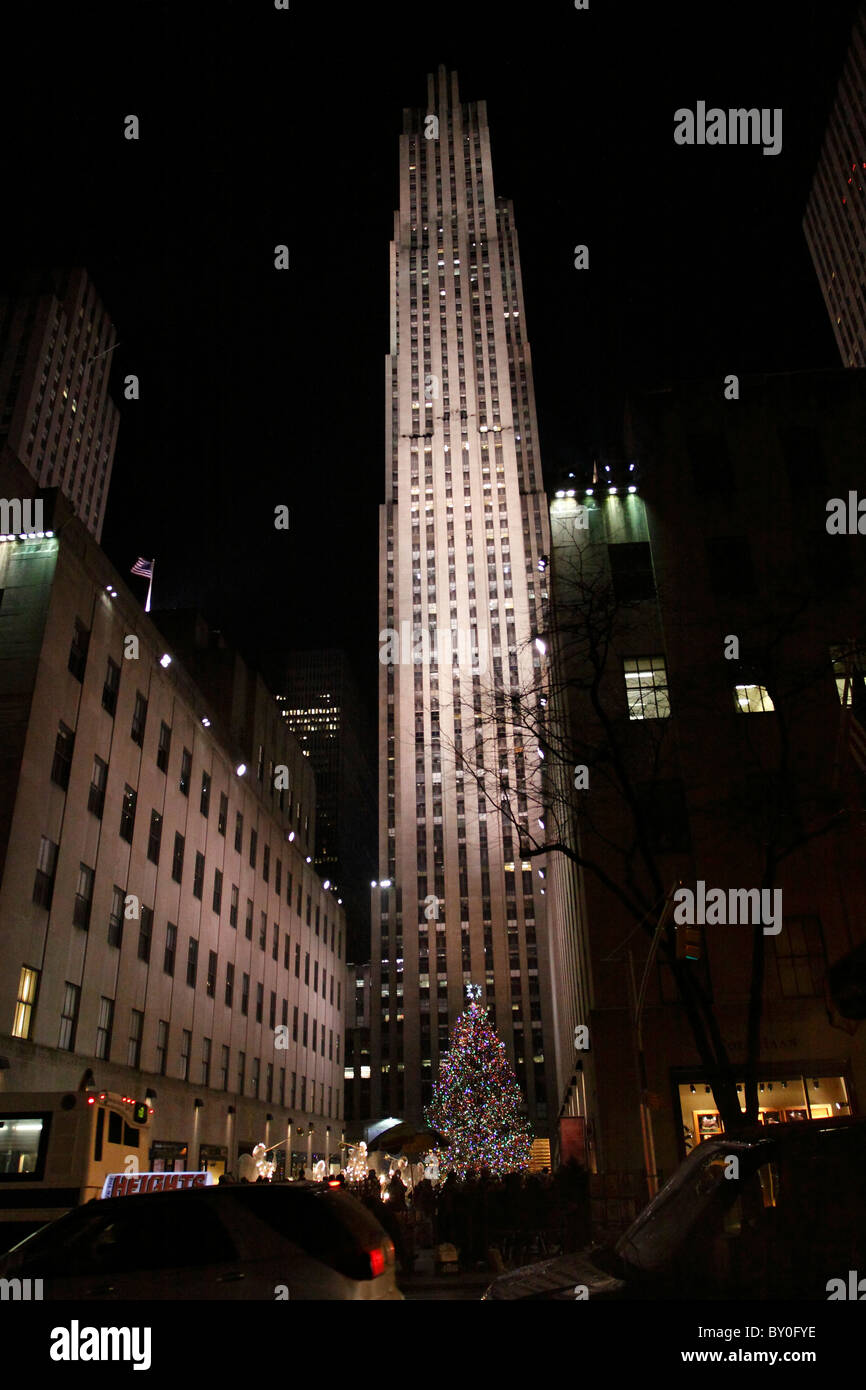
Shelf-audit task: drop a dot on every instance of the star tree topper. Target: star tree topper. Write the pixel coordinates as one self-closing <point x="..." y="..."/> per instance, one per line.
<point x="473" y="992"/>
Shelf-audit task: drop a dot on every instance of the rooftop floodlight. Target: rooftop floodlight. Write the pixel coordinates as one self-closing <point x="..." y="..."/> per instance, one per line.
<point x="541" y="645"/>
<point x="205" y="722"/>
<point x="570" y="492"/>
<point x="373" y="882"/>
<point x="385" y="883"/>
<point x="327" y="883"/>
<point x="612" y="491"/>
<point x="165" y="659"/>
<point x="241" y="769"/>
<point x="559" y="494"/>
<point x="309" y="859"/>
<point x="571" y="475"/>
<point x="340" y="901"/>
<point x="632" y="488"/>
<point x="291" y="836"/>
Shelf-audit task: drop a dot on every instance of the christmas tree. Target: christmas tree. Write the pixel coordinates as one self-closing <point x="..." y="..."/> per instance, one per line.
<point x="476" y="1099"/>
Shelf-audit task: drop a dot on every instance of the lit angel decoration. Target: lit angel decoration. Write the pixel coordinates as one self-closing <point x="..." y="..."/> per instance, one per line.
<point x="265" y="1167"/>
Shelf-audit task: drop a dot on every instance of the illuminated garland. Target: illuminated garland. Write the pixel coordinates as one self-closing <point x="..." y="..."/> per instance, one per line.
<point x="477" y="1101"/>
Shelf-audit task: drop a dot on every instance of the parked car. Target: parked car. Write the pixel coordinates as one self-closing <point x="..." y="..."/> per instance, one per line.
<point x="263" y="1241"/>
<point x="781" y="1222"/>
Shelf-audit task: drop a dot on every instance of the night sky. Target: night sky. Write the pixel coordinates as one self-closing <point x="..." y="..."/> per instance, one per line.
<point x="260" y="127"/>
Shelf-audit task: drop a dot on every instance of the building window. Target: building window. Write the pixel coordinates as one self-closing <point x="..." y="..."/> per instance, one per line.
<point x="104" y="1024"/>
<point x="211" y="973"/>
<point x="145" y="932"/>
<point x="646" y="685"/>
<point x="294" y="1026"/>
<point x="192" y="962"/>
<point x="306" y="967"/>
<point x="185" y="1050"/>
<point x="78" y="650"/>
<point x="139" y="719"/>
<point x="297" y="960"/>
<point x="205" y="1061"/>
<point x="275" y="943"/>
<point x="127" y="813"/>
<point x="111" y="686"/>
<point x="309" y="909"/>
<point x="204" y="802"/>
<point x="233" y="909"/>
<point x="230" y="984"/>
<point x="254" y="1079"/>
<point x="631" y="571"/>
<point x="164" y="747"/>
<point x="245" y="995"/>
<point x="83" y="897"/>
<point x="64" y="745"/>
<point x="96" y="795"/>
<point x="177" y="858"/>
<point x="315" y="1033"/>
<point x="224" y="1067"/>
<point x="287" y="949"/>
<point x="136" y="1026"/>
<point x="162" y="1046"/>
<point x="242" y="1071"/>
<point x="217" y="890"/>
<point x="28" y="984"/>
<point x="115" y="917"/>
<point x="248" y="924"/>
<point x="222" y="820"/>
<point x="239" y="832"/>
<point x="170" y="948"/>
<point x="263" y="931"/>
<point x="315" y="977"/>
<point x="198" y="876"/>
<point x="278" y="877"/>
<point x="272" y="1012"/>
<point x="46" y="868"/>
<point x="69" y="1017"/>
<point x="155" y="837"/>
<point x="185" y="771"/>
<point x="254" y="840"/>
<point x="306" y="1029"/>
<point x="752" y="699"/>
<point x="260" y="1002"/>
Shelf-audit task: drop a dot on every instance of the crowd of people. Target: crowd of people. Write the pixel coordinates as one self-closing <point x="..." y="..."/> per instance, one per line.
<point x="480" y="1211"/>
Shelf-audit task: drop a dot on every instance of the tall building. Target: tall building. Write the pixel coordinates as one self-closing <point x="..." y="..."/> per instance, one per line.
<point x="702" y="606"/>
<point x="462" y="532"/>
<point x="835" y="221"/>
<point x="55" y="412"/>
<point x="321" y="705"/>
<point x="161" y="924"/>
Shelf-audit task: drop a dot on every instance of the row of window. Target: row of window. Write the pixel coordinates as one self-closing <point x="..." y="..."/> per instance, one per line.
<point x="28" y="989"/>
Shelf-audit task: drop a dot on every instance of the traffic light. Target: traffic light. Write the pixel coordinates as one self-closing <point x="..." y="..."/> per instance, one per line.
<point x="688" y="942"/>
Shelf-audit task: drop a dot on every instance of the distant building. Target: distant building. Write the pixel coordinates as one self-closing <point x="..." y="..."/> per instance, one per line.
<point x="55" y="411"/>
<point x="835" y="221"/>
<point x="721" y="607"/>
<point x="161" y="923"/>
<point x="358" y="1063"/>
<point x="321" y="704"/>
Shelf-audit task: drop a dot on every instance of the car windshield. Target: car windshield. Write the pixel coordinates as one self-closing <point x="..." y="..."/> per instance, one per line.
<point x="653" y="1240"/>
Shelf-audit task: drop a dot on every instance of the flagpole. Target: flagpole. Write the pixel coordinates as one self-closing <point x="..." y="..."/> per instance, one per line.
<point x="150" y="585"/>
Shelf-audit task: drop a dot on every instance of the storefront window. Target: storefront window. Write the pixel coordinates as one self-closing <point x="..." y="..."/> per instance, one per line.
<point x="783" y="1100"/>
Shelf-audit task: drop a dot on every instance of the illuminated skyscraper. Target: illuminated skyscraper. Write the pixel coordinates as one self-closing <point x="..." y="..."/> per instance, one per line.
<point x="55" y="411"/>
<point x="462" y="531"/>
<point x="835" y="221"/>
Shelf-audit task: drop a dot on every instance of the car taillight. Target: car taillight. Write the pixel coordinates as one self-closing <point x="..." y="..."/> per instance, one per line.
<point x="377" y="1262"/>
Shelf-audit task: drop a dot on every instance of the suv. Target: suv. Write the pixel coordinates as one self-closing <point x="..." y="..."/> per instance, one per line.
<point x="277" y="1241"/>
<point x="782" y="1222"/>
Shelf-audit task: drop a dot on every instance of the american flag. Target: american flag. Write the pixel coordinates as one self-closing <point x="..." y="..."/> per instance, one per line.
<point x="143" y="567"/>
